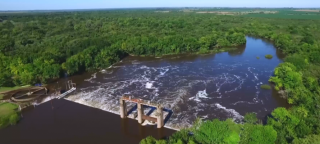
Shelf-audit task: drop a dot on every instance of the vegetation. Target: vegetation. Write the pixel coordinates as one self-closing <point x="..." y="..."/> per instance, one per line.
<point x="268" y="56"/>
<point x="9" y="114"/>
<point x="310" y="139"/>
<point x="216" y="131"/>
<point x="275" y="13"/>
<point x="251" y="118"/>
<point x="39" y="47"/>
<point x="265" y="86"/>
<point x="5" y="89"/>
<point x="258" y="57"/>
<point x="288" y="14"/>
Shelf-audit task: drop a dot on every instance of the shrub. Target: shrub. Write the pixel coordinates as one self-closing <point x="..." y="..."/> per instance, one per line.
<point x="265" y="86"/>
<point x="258" y="134"/>
<point x="251" y="118"/>
<point x="218" y="132"/>
<point x="151" y="140"/>
<point x="310" y="139"/>
<point x="4" y="121"/>
<point x="8" y="114"/>
<point x="161" y="142"/>
<point x="268" y="56"/>
<point x="148" y="140"/>
<point x="13" y="119"/>
<point x="182" y="135"/>
<point x="298" y="60"/>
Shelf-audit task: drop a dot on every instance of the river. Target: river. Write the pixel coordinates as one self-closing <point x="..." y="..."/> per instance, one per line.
<point x="223" y="85"/>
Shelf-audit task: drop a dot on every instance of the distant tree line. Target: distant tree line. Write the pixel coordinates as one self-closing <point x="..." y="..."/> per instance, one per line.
<point x="38" y="47"/>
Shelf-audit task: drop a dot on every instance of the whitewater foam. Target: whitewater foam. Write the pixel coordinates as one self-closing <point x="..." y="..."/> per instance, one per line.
<point x="149" y="85"/>
<point x="186" y="88"/>
<point x="233" y="113"/>
<point x="201" y="94"/>
<point x="93" y="76"/>
<point x="162" y="73"/>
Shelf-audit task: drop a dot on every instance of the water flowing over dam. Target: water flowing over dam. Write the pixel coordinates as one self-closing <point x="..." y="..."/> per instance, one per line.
<point x="223" y="85"/>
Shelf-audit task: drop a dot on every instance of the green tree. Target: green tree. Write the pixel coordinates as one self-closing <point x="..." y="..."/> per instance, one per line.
<point x="284" y="123"/>
<point x="310" y="139"/>
<point x="218" y="132"/>
<point x="251" y="118"/>
<point x="257" y="134"/>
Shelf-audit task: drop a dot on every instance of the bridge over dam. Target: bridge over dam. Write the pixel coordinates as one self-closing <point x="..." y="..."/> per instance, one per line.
<point x="159" y="117"/>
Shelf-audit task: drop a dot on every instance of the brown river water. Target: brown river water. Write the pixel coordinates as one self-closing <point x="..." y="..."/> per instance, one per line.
<point x="223" y="85"/>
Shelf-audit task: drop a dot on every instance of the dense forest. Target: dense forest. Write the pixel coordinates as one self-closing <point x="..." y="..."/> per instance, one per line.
<point x="39" y="47"/>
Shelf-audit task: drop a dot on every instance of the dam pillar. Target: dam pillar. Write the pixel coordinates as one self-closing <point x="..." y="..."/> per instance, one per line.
<point x="123" y="108"/>
<point x="160" y="121"/>
<point x="140" y="113"/>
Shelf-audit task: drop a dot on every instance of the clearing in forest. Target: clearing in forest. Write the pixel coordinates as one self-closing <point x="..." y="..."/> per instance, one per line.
<point x="238" y="12"/>
<point x="218" y="12"/>
<point x="162" y="11"/>
<point x="306" y="10"/>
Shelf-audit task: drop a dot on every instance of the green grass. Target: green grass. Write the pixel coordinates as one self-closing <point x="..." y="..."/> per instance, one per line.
<point x="1" y="96"/>
<point x="285" y="16"/>
<point x="288" y="14"/>
<point x="268" y="56"/>
<point x="5" y="89"/>
<point x="282" y="13"/>
<point x="265" y="86"/>
<point x="8" y="114"/>
<point x="7" y="109"/>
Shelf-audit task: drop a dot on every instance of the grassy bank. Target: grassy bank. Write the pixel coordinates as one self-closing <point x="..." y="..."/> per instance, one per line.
<point x="6" y="89"/>
<point x="265" y="86"/>
<point x="9" y="114"/>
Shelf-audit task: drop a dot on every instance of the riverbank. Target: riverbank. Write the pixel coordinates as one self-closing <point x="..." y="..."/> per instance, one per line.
<point x="65" y="122"/>
<point x="9" y="114"/>
<point x="8" y="89"/>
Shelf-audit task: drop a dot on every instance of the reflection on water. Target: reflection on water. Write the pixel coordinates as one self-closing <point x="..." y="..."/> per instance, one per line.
<point x="138" y="131"/>
<point x="238" y="52"/>
<point x="65" y="122"/>
<point x="222" y="85"/>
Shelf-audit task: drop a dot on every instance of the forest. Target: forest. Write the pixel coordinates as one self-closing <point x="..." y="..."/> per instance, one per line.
<point x="41" y="47"/>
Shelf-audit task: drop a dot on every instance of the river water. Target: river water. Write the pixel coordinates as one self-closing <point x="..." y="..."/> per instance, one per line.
<point x="223" y="85"/>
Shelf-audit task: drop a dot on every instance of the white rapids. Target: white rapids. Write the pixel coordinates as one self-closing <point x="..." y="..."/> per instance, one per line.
<point x="213" y="86"/>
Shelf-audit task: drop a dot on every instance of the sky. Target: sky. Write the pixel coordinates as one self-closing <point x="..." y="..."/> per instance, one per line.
<point x="93" y="4"/>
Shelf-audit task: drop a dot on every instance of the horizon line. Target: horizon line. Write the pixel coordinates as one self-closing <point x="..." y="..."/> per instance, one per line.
<point x="158" y="7"/>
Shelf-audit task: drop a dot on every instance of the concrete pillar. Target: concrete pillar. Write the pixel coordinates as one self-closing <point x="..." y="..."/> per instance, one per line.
<point x="123" y="109"/>
<point x="140" y="113"/>
<point x="160" y="120"/>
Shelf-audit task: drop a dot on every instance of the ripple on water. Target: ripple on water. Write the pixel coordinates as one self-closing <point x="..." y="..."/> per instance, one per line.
<point x="220" y="86"/>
